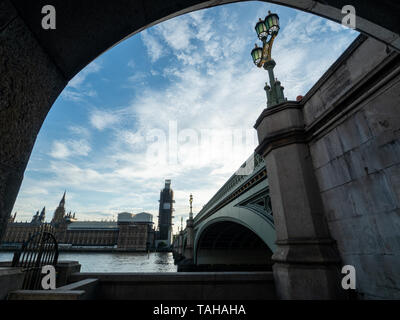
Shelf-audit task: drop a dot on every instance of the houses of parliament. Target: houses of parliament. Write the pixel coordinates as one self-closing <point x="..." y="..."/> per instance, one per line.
<point x="131" y="232"/>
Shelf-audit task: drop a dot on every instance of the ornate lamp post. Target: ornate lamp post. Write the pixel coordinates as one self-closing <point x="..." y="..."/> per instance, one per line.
<point x="191" y="208"/>
<point x="267" y="30"/>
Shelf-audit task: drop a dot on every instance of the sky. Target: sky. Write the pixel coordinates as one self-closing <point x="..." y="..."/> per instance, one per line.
<point x="177" y="101"/>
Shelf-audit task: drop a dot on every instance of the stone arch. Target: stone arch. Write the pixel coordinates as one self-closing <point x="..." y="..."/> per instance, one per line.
<point x="265" y="234"/>
<point x="112" y="22"/>
<point x="230" y="242"/>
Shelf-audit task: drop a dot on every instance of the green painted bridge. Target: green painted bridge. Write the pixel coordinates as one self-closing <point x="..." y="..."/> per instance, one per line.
<point x="236" y="226"/>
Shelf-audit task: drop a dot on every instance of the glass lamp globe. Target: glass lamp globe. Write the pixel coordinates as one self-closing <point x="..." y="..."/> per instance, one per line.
<point x="272" y="23"/>
<point x="256" y="54"/>
<point x="261" y="29"/>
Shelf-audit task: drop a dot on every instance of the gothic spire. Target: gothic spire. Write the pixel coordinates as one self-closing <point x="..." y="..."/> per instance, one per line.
<point x="62" y="202"/>
<point x="42" y="215"/>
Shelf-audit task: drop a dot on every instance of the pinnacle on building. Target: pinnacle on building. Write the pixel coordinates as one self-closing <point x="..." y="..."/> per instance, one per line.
<point x="59" y="213"/>
<point x="39" y="218"/>
<point x="42" y="215"/>
<point x="12" y="218"/>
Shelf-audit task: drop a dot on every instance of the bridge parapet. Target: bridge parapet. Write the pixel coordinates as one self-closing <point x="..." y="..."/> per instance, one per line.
<point x="237" y="182"/>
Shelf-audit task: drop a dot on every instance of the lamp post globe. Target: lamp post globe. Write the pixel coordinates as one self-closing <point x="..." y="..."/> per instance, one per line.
<point x="267" y="30"/>
<point x="256" y="53"/>
<point x="261" y="29"/>
<point x="272" y="23"/>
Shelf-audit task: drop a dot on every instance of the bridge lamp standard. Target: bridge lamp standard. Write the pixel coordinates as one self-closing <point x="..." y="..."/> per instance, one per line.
<point x="267" y="30"/>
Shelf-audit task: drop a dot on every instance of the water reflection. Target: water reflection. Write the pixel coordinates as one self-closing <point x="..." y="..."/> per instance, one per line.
<point x="117" y="262"/>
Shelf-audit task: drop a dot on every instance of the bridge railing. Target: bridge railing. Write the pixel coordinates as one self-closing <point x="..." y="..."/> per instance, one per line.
<point x="235" y="181"/>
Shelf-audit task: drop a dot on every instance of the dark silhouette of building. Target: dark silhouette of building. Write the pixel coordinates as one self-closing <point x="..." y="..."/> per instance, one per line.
<point x="39" y="218"/>
<point x="166" y="209"/>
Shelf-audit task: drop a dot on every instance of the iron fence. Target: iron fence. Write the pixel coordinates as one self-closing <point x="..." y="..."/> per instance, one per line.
<point x="39" y="250"/>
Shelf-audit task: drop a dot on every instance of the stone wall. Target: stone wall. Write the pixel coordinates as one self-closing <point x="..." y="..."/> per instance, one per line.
<point x="19" y="232"/>
<point x="353" y="118"/>
<point x="234" y="256"/>
<point x="29" y="84"/>
<point x="93" y="237"/>
<point x="182" y="286"/>
<point x="132" y="236"/>
<point x="10" y="279"/>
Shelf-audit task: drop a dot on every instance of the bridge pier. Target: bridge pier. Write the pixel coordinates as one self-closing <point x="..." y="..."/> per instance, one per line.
<point x="188" y="249"/>
<point x="183" y="252"/>
<point x="180" y="246"/>
<point x="306" y="262"/>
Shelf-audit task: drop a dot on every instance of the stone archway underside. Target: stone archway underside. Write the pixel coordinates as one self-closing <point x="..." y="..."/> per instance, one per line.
<point x="85" y="29"/>
<point x="227" y="242"/>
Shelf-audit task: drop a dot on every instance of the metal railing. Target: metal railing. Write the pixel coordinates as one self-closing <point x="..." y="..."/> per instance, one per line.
<point x="232" y="184"/>
<point x="39" y="250"/>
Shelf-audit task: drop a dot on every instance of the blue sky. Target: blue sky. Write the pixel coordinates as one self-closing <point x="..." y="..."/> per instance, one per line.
<point x="176" y="101"/>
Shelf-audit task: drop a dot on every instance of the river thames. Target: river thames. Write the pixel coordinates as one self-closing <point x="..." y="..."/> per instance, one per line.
<point x="116" y="262"/>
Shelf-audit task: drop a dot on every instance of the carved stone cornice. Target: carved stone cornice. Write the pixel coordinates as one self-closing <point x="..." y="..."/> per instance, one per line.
<point x="307" y="251"/>
<point x="279" y="126"/>
<point x="286" y="137"/>
<point x="277" y="108"/>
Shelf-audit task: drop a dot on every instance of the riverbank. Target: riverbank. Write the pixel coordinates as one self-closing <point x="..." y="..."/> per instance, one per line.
<point x="87" y="249"/>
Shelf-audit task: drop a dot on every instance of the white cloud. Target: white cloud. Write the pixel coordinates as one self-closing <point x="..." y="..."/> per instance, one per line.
<point x="154" y="48"/>
<point x="191" y="38"/>
<point x="103" y="119"/>
<point x="79" y="79"/>
<point x="65" y="149"/>
<point x="79" y="131"/>
<point x="36" y="191"/>
<point x="78" y="89"/>
<point x="138" y="77"/>
<point x="176" y="32"/>
<point x="60" y="150"/>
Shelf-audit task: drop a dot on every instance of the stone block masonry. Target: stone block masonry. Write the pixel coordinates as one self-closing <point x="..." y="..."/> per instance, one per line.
<point x="345" y="135"/>
<point x="356" y="160"/>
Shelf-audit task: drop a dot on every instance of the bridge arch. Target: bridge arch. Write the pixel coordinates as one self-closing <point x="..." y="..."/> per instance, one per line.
<point x="112" y="22"/>
<point x="231" y="242"/>
<point x="223" y="225"/>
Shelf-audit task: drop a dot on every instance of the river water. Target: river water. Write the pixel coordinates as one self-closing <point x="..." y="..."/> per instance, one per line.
<point x="116" y="262"/>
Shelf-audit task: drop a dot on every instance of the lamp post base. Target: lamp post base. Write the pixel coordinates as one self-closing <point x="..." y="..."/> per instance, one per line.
<point x="275" y="91"/>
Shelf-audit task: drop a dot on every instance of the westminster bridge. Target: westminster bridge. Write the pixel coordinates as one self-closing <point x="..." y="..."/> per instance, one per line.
<point x="235" y="227"/>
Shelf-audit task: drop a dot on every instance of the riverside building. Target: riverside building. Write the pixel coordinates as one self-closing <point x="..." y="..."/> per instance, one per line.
<point x="131" y="232"/>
